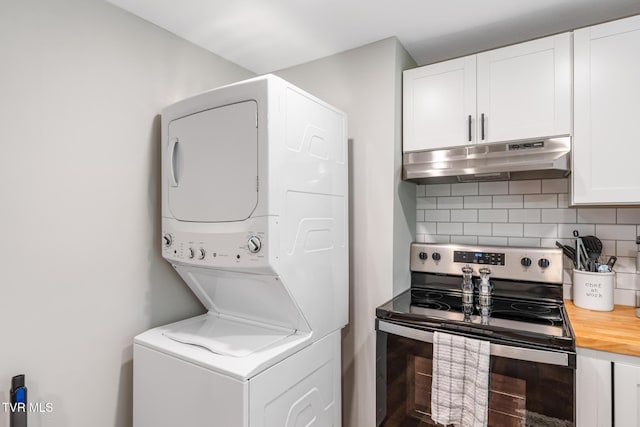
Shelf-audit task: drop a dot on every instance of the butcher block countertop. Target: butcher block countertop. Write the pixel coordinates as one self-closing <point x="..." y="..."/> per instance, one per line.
<point x="616" y="331"/>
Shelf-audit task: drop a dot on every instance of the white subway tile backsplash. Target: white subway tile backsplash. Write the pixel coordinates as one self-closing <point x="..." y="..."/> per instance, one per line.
<point x="628" y="216"/>
<point x="507" y="230"/>
<point x="426" y="227"/>
<point x="493" y="241"/>
<point x="626" y="248"/>
<point x="450" y="202"/>
<point x="438" y="190"/>
<point x="478" y="229"/>
<point x="559" y="216"/>
<point x="426" y="203"/>
<point x="525" y="187"/>
<point x="493" y="188"/>
<point x="555" y="185"/>
<point x="565" y="231"/>
<point x="568" y="242"/>
<point x="464" y="215"/>
<point x="477" y="202"/>
<point x="625" y="265"/>
<point x="608" y="248"/>
<point x="597" y="215"/>
<point x="627" y="280"/>
<point x="541" y="201"/>
<point x="436" y="215"/>
<point x="563" y="201"/>
<point x="524" y="215"/>
<point x="616" y="232"/>
<point x="507" y="202"/>
<point x="524" y="241"/>
<point x="550" y="243"/>
<point x="434" y="238"/>
<point x="529" y="213"/>
<point x="465" y="240"/>
<point x="493" y="215"/>
<point x="466" y="189"/>
<point x="450" y="228"/>
<point x="546" y="231"/>
<point x="624" y="297"/>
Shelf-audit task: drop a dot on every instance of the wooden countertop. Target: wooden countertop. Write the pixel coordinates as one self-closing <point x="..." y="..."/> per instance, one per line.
<point x="616" y="331"/>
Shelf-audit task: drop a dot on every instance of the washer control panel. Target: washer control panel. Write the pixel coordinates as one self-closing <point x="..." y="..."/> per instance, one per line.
<point x="242" y="249"/>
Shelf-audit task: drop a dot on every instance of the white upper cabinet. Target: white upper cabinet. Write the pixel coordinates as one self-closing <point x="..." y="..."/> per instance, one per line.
<point x="439" y="105"/>
<point x="524" y="90"/>
<point x="517" y="92"/>
<point x="606" y="143"/>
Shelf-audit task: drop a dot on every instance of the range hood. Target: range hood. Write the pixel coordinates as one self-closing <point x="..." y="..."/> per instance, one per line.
<point x="499" y="161"/>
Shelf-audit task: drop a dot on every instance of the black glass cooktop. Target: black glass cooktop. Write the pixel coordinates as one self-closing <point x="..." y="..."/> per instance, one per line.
<point x="526" y="313"/>
<point x="518" y="313"/>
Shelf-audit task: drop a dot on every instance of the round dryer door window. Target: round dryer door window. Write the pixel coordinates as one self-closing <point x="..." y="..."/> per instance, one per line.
<point x="212" y="164"/>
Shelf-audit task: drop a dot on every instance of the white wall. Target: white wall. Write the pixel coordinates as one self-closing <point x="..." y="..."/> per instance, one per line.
<point x="365" y="83"/>
<point x="81" y="87"/>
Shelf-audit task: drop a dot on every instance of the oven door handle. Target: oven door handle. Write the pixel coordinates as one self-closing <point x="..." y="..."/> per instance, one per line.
<point x="510" y="352"/>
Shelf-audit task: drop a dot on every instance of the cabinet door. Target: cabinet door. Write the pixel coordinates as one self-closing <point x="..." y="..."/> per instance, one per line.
<point x="524" y="90"/>
<point x="593" y="392"/>
<point x="439" y="105"/>
<point x="627" y="395"/>
<point x="606" y="144"/>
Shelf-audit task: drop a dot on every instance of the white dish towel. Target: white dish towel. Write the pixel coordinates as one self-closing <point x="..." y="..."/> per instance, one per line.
<point x="460" y="387"/>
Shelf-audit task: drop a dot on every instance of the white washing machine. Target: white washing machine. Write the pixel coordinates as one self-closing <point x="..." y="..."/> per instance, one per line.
<point x="255" y="220"/>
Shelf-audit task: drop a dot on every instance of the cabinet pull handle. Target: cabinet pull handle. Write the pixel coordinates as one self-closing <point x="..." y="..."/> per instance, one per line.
<point x="469" y="127"/>
<point x="482" y="126"/>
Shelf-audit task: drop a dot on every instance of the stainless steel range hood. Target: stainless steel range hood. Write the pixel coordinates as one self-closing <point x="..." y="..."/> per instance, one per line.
<point x="499" y="161"/>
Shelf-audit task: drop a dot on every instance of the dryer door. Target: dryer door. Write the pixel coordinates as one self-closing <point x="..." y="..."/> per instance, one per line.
<point x="212" y="164"/>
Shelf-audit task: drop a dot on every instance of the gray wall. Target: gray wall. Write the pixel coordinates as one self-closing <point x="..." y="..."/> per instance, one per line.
<point x="365" y="83"/>
<point x="81" y="87"/>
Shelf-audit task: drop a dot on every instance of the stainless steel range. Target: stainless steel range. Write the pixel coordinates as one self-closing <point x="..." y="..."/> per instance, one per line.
<point x="509" y="296"/>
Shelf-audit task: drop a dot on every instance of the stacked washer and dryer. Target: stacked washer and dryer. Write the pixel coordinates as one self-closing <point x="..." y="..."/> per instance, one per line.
<point x="255" y="220"/>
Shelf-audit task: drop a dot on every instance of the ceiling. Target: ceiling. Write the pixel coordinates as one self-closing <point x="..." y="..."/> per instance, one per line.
<point x="269" y="35"/>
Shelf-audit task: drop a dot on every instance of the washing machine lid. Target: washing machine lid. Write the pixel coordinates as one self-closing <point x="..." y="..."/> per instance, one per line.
<point x="212" y="164"/>
<point x="228" y="336"/>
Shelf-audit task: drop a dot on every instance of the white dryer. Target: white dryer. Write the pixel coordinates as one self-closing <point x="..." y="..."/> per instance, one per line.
<point x="255" y="220"/>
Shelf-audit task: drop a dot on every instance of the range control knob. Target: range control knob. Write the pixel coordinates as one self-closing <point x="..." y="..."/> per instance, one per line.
<point x="201" y="253"/>
<point x="254" y="244"/>
<point x="525" y="261"/>
<point x="167" y="240"/>
<point x="423" y="255"/>
<point x="190" y="253"/>
<point x="436" y="256"/>
<point x="543" y="263"/>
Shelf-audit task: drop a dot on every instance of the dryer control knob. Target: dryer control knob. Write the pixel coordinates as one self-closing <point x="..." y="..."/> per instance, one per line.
<point x="254" y="244"/>
<point x="167" y="240"/>
<point x="190" y="253"/>
<point x="201" y="253"/>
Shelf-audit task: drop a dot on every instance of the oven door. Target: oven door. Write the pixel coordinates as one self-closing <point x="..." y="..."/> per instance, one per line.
<point x="527" y="387"/>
